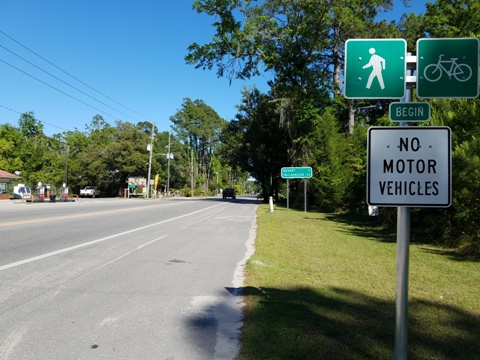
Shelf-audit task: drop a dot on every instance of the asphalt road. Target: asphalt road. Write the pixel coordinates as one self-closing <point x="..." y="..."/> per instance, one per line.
<point x="123" y="279"/>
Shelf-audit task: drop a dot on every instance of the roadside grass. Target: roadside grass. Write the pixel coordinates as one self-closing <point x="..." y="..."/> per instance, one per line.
<point x="321" y="286"/>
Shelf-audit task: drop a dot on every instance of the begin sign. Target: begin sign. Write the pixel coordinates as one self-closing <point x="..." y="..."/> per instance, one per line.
<point x="409" y="111"/>
<point x="409" y="166"/>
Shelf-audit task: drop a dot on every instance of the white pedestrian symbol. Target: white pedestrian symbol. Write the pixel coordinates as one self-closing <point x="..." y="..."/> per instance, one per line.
<point x="378" y="64"/>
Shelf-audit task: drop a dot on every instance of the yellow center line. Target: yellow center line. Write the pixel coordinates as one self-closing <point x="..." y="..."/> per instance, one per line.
<point x="23" y="222"/>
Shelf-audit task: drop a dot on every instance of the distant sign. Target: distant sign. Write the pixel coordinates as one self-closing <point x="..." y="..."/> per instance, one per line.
<point x="409" y="111"/>
<point x="296" y="172"/>
<point x="409" y="166"/>
<point x="137" y="181"/>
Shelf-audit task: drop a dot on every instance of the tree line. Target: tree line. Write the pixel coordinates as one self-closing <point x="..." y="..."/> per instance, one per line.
<point x="106" y="155"/>
<point x="303" y="120"/>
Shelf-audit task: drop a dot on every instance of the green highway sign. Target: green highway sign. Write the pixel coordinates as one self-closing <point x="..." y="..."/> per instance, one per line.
<point x="409" y="111"/>
<point x="375" y="68"/>
<point x="447" y="68"/>
<point x="296" y="172"/>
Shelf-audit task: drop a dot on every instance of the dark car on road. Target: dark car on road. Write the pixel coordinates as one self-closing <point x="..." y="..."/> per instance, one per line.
<point x="229" y="192"/>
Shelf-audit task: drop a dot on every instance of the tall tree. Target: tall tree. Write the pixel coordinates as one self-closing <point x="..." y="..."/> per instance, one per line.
<point x="255" y="141"/>
<point x="10" y="142"/>
<point x="77" y="142"/>
<point x="93" y="157"/>
<point x="300" y="43"/>
<point x="198" y="126"/>
<point x="34" y="151"/>
<point x="332" y="176"/>
<point x="289" y="37"/>
<point x="452" y="18"/>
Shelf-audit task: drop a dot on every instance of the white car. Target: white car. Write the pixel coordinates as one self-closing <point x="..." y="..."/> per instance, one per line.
<point x="21" y="191"/>
<point x="90" y="191"/>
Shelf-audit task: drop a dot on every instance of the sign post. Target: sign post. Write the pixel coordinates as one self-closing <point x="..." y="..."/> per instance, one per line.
<point x="297" y="173"/>
<point x="410" y="166"/>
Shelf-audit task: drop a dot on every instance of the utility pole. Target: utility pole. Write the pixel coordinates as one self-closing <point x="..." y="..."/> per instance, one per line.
<point x="150" y="147"/>
<point x="191" y="171"/>
<point x="168" y="165"/>
<point x="66" y="165"/>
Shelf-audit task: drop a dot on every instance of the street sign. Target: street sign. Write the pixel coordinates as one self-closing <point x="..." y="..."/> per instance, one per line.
<point x="375" y="68"/>
<point x="296" y="172"/>
<point x="409" y="111"/>
<point x="409" y="166"/>
<point x="447" y="68"/>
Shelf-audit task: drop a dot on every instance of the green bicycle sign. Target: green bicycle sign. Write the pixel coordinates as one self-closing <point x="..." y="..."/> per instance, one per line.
<point x="447" y="68"/>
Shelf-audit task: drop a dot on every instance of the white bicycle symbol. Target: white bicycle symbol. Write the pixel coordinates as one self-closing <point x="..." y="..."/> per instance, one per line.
<point x="461" y="72"/>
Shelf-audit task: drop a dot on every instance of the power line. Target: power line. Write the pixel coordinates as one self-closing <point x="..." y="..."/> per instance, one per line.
<point x="43" y="122"/>
<point x="53" y="87"/>
<point x="73" y="77"/>
<point x="64" y="82"/>
<point x="80" y="81"/>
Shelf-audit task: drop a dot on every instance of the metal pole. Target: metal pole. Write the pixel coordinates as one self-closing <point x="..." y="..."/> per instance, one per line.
<point x="305" y="193"/>
<point x="191" y="171"/>
<point x="403" y="247"/>
<point x="150" y="162"/>
<point x="401" y="308"/>
<point x="168" y="166"/>
<point x="288" y="195"/>
<point x="66" y="166"/>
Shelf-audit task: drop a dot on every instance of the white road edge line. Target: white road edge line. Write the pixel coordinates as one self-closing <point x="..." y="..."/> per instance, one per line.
<point x="75" y="247"/>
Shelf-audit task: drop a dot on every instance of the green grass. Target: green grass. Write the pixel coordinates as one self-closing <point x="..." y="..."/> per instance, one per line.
<point x="322" y="286"/>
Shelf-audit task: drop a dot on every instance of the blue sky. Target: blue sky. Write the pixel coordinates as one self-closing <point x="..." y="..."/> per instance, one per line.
<point x="131" y="51"/>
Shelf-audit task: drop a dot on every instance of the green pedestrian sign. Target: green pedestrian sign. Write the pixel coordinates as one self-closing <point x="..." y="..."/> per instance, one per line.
<point x="375" y="68"/>
<point x="447" y="68"/>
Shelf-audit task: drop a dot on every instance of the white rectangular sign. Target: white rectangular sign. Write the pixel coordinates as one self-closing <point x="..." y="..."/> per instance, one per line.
<point x="409" y="166"/>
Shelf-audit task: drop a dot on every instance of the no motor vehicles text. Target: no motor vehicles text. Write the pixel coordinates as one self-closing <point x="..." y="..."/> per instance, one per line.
<point x="411" y="188"/>
<point x="410" y="165"/>
<point x="419" y="166"/>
